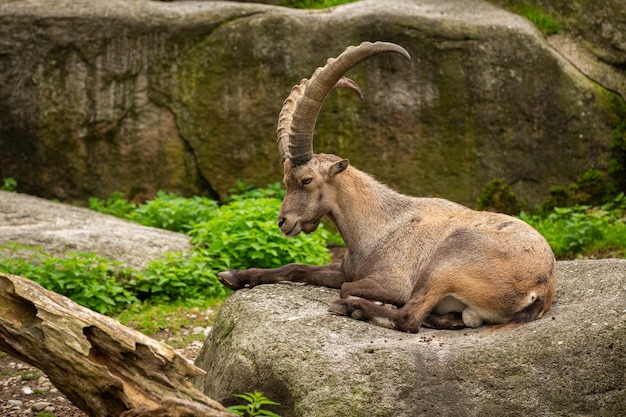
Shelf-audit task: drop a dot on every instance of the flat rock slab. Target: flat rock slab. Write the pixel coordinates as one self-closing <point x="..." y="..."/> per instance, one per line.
<point x="281" y="340"/>
<point x="61" y="228"/>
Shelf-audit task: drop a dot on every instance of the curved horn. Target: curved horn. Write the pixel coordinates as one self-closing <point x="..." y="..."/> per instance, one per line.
<point x="298" y="116"/>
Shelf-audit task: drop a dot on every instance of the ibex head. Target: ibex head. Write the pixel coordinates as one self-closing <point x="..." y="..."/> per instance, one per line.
<point x="307" y="176"/>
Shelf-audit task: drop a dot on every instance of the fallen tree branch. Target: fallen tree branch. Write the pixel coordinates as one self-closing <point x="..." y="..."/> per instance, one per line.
<point x="103" y="367"/>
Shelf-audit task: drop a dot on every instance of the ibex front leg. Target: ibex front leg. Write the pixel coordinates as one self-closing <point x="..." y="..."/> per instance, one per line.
<point x="331" y="276"/>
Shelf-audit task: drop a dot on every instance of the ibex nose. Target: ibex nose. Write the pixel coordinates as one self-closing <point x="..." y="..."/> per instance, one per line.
<point x="281" y="221"/>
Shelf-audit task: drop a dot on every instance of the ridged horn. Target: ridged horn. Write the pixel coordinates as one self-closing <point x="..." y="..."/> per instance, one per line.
<point x="298" y="116"/>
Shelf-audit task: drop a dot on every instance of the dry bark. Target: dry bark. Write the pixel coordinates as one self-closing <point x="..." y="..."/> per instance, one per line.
<point x="103" y="367"/>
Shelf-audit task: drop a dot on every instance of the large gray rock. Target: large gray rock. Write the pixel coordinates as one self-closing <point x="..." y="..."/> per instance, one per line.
<point x="60" y="228"/>
<point x="592" y="38"/>
<point x="281" y="340"/>
<point x="140" y="95"/>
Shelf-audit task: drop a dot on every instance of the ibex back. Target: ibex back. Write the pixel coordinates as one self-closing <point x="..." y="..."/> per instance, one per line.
<point x="410" y="261"/>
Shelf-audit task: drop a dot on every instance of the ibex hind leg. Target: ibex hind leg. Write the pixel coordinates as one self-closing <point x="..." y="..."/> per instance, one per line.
<point x="386" y="292"/>
<point x="403" y="319"/>
<point x="366" y="310"/>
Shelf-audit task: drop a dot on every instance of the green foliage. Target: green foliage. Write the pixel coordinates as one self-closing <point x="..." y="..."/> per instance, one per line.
<point x="313" y="4"/>
<point x="172" y="212"/>
<point x="543" y="21"/>
<point x="243" y="234"/>
<point x="244" y="191"/>
<point x="589" y="189"/>
<point x="584" y="230"/>
<point x="181" y="276"/>
<point x="560" y="196"/>
<point x="497" y="196"/>
<point x="256" y="400"/>
<point x="166" y="211"/>
<point x="115" y="205"/>
<point x="107" y="286"/>
<point x="9" y="184"/>
<point x="92" y="281"/>
<point x="240" y="234"/>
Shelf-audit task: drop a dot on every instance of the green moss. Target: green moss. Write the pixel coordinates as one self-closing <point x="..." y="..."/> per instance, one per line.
<point x="542" y="20"/>
<point x="313" y="4"/>
<point x="617" y="169"/>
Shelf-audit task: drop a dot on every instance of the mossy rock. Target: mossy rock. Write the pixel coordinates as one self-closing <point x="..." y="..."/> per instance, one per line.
<point x="140" y="95"/>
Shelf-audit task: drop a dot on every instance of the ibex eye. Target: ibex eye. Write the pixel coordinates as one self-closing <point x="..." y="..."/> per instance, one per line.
<point x="306" y="181"/>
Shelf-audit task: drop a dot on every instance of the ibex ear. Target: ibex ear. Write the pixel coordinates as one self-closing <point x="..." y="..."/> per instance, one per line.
<point x="338" y="167"/>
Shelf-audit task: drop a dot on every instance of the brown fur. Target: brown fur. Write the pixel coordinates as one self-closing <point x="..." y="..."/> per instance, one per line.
<point x="437" y="262"/>
<point x="414" y="253"/>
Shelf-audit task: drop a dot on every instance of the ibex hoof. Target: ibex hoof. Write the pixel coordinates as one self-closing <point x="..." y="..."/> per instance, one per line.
<point x="339" y="307"/>
<point x="230" y="280"/>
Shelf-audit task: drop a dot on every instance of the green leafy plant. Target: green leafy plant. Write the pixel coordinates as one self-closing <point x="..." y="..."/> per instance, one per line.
<point x="244" y="191"/>
<point x="172" y="212"/>
<point x="240" y="234"/>
<point x="254" y="407"/>
<point x="9" y="184"/>
<point x="92" y="281"/>
<point x="178" y="276"/>
<point x="243" y="234"/>
<point x="166" y="211"/>
<point x="590" y="189"/>
<point x="115" y="205"/>
<point x="584" y="230"/>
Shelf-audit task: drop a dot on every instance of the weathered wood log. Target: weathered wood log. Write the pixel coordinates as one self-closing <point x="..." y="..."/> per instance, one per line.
<point x="103" y="367"/>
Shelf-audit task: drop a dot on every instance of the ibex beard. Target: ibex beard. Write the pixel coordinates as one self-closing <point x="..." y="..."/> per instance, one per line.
<point x="409" y="261"/>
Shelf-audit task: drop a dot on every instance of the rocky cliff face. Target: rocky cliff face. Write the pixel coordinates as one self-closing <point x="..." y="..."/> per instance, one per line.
<point x="140" y="95"/>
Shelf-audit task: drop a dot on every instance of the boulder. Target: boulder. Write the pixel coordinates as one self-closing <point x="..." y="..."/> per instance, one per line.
<point x="591" y="38"/>
<point x="140" y="95"/>
<point x="281" y="340"/>
<point x="60" y="228"/>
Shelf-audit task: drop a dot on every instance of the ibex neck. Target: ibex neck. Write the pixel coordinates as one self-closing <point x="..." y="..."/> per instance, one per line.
<point x="366" y="210"/>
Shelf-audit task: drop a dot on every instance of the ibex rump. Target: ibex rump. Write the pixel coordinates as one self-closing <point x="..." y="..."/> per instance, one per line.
<point x="439" y="263"/>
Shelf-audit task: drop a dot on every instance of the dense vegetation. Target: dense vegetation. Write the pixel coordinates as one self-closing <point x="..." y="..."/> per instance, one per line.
<point x="242" y="233"/>
<point x="239" y="234"/>
<point x="584" y="231"/>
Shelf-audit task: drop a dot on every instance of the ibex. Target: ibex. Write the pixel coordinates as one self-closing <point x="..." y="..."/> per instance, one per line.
<point x="409" y="261"/>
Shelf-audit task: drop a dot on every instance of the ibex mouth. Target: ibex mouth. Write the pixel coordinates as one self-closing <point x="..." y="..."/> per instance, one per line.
<point x="297" y="228"/>
<point x="291" y="231"/>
